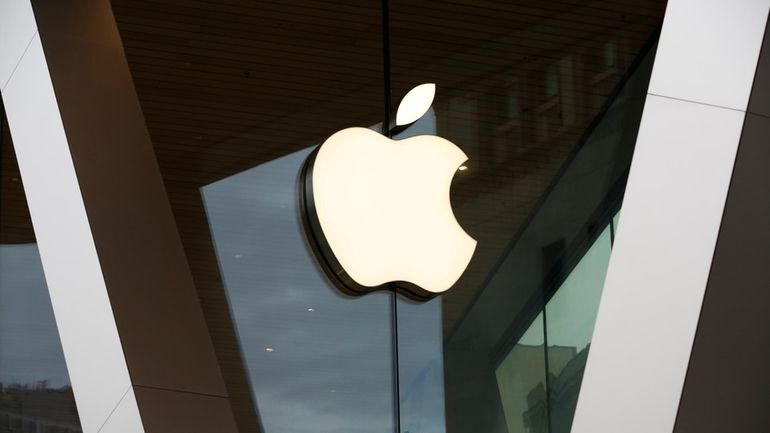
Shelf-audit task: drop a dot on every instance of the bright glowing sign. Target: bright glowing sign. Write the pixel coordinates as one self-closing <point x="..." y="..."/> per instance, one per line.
<point x="378" y="211"/>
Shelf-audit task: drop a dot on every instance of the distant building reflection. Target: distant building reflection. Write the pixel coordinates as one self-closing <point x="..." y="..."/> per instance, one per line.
<point x="38" y="409"/>
<point x="35" y="391"/>
<point x="552" y="411"/>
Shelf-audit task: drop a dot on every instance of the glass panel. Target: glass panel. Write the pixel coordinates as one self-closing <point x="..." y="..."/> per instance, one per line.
<point x="421" y="363"/>
<point x="236" y="94"/>
<point x="545" y="99"/>
<point x="522" y="384"/>
<point x="35" y="391"/>
<point x="318" y="361"/>
<point x="570" y="316"/>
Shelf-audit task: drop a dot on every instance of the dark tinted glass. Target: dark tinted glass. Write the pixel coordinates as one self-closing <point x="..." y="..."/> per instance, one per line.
<point x="544" y="98"/>
<point x="236" y="94"/>
<point x="316" y="360"/>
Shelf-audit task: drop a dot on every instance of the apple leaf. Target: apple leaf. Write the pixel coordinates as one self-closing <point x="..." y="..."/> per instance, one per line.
<point x="416" y="103"/>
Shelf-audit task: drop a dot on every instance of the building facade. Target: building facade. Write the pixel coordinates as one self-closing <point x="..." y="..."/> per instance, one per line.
<point x="158" y="272"/>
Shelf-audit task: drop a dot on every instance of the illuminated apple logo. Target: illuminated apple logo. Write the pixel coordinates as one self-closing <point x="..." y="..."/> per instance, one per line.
<point x="377" y="211"/>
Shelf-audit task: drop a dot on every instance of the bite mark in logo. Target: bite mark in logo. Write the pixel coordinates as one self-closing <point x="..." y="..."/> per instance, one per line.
<point x="377" y="211"/>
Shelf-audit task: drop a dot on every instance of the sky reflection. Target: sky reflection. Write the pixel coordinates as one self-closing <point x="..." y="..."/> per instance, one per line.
<point x="317" y="360"/>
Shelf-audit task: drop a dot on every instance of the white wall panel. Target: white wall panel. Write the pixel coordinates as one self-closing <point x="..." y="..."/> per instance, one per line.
<point x="659" y="267"/>
<point x="79" y="297"/>
<point x="125" y="418"/>
<point x="708" y="51"/>
<point x="672" y="212"/>
<point x="17" y="26"/>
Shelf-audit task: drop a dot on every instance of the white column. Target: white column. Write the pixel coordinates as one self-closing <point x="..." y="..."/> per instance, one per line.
<point x="89" y="336"/>
<point x="671" y="214"/>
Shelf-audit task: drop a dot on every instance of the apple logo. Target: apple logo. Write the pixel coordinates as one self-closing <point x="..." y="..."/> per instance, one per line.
<point x="377" y="211"/>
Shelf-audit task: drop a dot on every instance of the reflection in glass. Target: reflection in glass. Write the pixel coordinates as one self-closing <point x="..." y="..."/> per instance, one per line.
<point x="534" y="400"/>
<point x="317" y="360"/>
<point x="543" y="97"/>
<point x="521" y="382"/>
<point x="421" y="367"/>
<point x="229" y="86"/>
<point x="547" y="108"/>
<point x="570" y="316"/>
<point x="35" y="391"/>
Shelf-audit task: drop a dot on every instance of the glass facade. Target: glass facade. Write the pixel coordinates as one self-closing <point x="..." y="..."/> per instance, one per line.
<point x="35" y="391"/>
<point x="313" y="357"/>
<point x="545" y="98"/>
<point x="548" y="113"/>
<point x="539" y="378"/>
